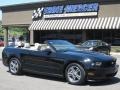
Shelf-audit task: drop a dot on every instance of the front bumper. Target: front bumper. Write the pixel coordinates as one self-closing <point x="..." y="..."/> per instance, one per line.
<point x="102" y="73"/>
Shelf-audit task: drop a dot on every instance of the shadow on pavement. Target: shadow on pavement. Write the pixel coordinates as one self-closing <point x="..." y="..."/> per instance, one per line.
<point x="45" y="77"/>
<point x="106" y="82"/>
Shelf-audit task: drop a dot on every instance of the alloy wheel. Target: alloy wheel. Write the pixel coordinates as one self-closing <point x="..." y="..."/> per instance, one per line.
<point x="74" y="74"/>
<point x="14" y="66"/>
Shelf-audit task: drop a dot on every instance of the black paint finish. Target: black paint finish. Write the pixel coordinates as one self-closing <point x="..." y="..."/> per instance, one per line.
<point x="54" y="62"/>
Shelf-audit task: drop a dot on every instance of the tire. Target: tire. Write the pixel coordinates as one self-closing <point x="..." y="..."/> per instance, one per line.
<point x="108" y="52"/>
<point x="75" y="74"/>
<point x="15" y="66"/>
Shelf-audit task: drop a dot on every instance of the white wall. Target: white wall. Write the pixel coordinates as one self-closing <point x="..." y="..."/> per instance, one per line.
<point x="1" y="49"/>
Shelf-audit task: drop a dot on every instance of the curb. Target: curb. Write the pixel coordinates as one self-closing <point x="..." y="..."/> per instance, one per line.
<point x="114" y="53"/>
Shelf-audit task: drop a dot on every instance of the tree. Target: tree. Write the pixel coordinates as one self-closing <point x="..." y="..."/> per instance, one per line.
<point x="17" y="31"/>
<point x="1" y="29"/>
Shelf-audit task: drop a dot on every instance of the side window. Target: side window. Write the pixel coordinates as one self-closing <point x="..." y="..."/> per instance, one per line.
<point x="100" y="44"/>
<point x="104" y="43"/>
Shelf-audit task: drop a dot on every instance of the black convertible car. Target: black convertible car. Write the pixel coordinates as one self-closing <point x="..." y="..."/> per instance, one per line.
<point x="62" y="59"/>
<point x="96" y="45"/>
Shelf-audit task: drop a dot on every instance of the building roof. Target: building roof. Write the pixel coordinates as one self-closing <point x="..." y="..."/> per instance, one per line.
<point x="25" y="5"/>
<point x="34" y="5"/>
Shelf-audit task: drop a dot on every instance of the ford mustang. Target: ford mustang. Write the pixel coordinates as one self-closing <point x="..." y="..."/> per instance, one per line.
<point x="60" y="58"/>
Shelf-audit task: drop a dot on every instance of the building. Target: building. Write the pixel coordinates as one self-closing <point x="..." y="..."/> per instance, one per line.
<point x="74" y="20"/>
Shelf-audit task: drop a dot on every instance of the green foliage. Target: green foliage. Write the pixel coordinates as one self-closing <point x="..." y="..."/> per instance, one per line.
<point x="14" y="31"/>
<point x="1" y="29"/>
<point x="17" y="31"/>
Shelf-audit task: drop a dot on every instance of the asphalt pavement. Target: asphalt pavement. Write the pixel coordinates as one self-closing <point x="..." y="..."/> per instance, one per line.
<point x="29" y="81"/>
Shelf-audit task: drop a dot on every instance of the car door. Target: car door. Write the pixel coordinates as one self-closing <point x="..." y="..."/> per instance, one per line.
<point x="32" y="60"/>
<point x="41" y="61"/>
<point x="52" y="63"/>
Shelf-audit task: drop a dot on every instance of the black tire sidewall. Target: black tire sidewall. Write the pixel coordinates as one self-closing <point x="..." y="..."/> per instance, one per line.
<point x="83" y="74"/>
<point x="19" y="66"/>
<point x="108" y="52"/>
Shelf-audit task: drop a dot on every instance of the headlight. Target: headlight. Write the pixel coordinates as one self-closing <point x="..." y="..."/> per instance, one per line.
<point x="87" y="60"/>
<point x="96" y="64"/>
<point x="91" y="48"/>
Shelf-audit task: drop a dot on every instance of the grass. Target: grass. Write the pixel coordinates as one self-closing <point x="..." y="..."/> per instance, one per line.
<point x="115" y="48"/>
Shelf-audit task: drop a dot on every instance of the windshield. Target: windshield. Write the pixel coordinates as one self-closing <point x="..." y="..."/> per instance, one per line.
<point x="62" y="45"/>
<point x="89" y="44"/>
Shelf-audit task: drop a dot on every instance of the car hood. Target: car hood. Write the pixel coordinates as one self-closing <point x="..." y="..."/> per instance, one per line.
<point x="84" y="48"/>
<point x="89" y="54"/>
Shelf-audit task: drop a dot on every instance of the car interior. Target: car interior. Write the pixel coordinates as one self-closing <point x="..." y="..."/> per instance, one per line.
<point x="35" y="47"/>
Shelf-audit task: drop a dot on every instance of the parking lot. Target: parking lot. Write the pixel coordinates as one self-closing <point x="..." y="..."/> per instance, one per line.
<point x="37" y="82"/>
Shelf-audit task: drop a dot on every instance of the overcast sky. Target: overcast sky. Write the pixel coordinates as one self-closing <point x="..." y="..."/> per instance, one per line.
<point x="11" y="2"/>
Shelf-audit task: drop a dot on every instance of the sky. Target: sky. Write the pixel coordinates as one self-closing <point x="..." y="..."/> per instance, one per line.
<point x="12" y="2"/>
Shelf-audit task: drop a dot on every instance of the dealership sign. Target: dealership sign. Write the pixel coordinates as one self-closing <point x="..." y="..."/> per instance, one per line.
<point x="67" y="11"/>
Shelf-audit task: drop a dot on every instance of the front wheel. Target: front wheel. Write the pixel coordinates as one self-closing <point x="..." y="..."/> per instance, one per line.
<point x="75" y="74"/>
<point x="15" y="66"/>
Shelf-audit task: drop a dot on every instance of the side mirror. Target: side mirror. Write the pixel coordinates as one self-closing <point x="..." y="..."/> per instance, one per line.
<point x="109" y="44"/>
<point x="48" y="51"/>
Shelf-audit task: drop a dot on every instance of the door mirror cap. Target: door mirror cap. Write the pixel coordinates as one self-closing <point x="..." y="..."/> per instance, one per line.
<point x="49" y="51"/>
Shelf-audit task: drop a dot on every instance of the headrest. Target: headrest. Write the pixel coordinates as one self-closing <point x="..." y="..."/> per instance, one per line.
<point x="27" y="45"/>
<point x="19" y="44"/>
<point x="37" y="46"/>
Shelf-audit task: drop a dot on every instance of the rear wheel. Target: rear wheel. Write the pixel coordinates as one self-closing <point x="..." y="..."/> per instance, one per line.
<point x="15" y="66"/>
<point x="75" y="74"/>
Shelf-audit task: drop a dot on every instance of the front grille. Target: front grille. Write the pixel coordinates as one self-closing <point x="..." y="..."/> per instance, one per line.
<point x="109" y="64"/>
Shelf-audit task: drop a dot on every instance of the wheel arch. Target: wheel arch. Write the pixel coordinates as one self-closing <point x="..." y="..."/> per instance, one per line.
<point x="19" y="67"/>
<point x="12" y="56"/>
<point x="80" y="63"/>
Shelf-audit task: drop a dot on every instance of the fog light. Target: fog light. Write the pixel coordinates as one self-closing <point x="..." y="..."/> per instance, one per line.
<point x="91" y="74"/>
<point x="98" y="63"/>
